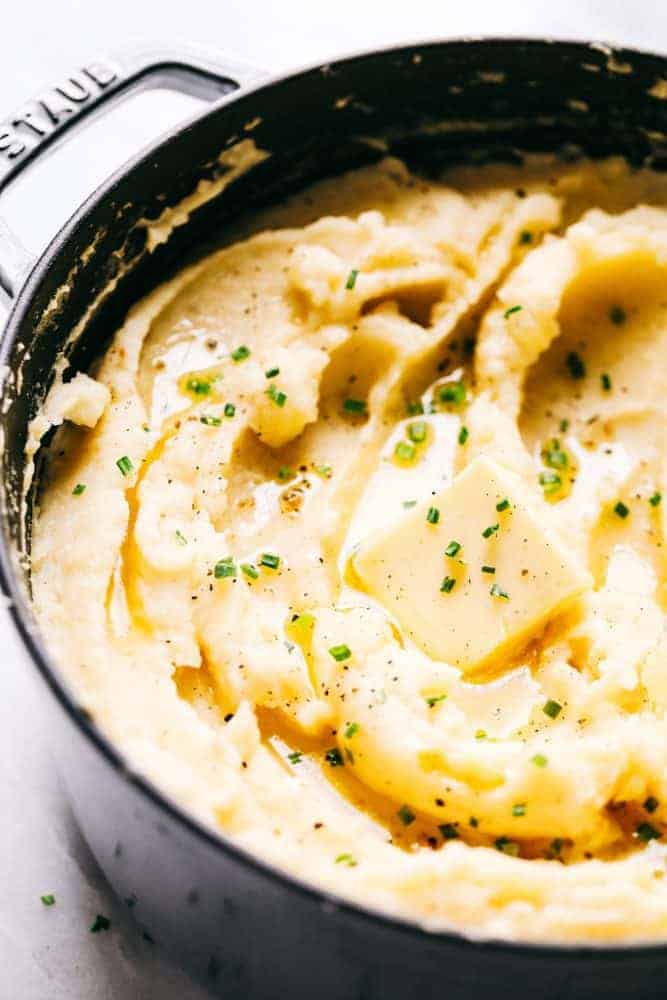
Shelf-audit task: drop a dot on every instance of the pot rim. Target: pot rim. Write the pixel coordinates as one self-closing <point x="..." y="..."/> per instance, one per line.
<point x="22" y="616"/>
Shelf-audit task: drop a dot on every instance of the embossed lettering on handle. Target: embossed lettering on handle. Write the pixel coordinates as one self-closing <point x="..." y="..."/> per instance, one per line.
<point x="46" y="114"/>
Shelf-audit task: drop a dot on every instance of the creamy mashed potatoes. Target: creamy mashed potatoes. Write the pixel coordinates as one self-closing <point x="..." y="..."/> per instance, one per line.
<point x="356" y="545"/>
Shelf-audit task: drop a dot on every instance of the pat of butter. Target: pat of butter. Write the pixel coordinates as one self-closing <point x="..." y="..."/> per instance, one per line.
<point x="507" y="581"/>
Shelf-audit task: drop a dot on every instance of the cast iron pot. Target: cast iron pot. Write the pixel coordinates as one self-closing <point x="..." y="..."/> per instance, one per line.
<point x="247" y="928"/>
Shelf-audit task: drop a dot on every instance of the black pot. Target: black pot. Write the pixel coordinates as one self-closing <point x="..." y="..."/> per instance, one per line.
<point x="251" y="930"/>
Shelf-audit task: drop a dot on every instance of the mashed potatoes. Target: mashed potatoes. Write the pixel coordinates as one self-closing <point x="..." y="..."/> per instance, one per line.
<point x="355" y="545"/>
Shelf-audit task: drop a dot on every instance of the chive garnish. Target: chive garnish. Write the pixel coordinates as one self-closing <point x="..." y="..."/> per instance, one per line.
<point x="507" y="846"/>
<point x="605" y="382"/>
<point x="346" y="859"/>
<point x="125" y="465"/>
<point x="510" y="312"/>
<point x="240" y="353"/>
<point x="210" y="421"/>
<point x="249" y="570"/>
<point x="284" y="472"/>
<point x="351" y="730"/>
<point x="405" y="451"/>
<point x="502" y="505"/>
<point x="463" y="435"/>
<point x="200" y="386"/>
<point x="447" y="585"/>
<point x="563" y="425"/>
<point x="354" y="405"/>
<point x="269" y="560"/>
<point x="324" y="470"/>
<point x="295" y="757"/>
<point x="417" y="431"/>
<point x="452" y="392"/>
<point x="497" y="591"/>
<point x="491" y="530"/>
<point x="276" y="396"/>
<point x="448" y="831"/>
<point x="552" y="708"/>
<point x="488" y="569"/>
<point x="224" y="567"/>
<point x="334" y="757"/>
<point x="180" y="537"/>
<point x="48" y="900"/>
<point x="621" y="510"/>
<point x="406" y="815"/>
<point x="272" y="372"/>
<point x="415" y="407"/>
<point x="539" y="760"/>
<point x="550" y="481"/>
<point x="554" y="456"/>
<point x="408" y="504"/>
<point x="81" y="488"/>
<point x="229" y="410"/>
<point x="100" y="923"/>
<point x="453" y="548"/>
<point x="340" y="653"/>
<point x="519" y="809"/>
<point x="433" y="515"/>
<point x="575" y="365"/>
<point x="646" y="832"/>
<point x="655" y="499"/>
<point x="351" y="279"/>
<point x="435" y="699"/>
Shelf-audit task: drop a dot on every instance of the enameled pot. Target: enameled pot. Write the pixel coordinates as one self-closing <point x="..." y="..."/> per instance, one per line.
<point x="244" y="927"/>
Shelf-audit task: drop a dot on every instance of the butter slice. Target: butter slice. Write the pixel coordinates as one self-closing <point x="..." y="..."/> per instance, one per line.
<point x="403" y="567"/>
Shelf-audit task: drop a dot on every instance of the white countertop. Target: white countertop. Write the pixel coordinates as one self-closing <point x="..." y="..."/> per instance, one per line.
<point x="48" y="953"/>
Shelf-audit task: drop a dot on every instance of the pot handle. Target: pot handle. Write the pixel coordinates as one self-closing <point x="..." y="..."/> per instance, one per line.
<point x="91" y="88"/>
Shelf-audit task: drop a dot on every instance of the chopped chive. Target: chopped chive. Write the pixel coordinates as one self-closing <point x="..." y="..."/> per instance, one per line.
<point x="180" y="537"/>
<point x="447" y="585"/>
<point x="272" y="372"/>
<point x="526" y="236"/>
<point x="210" y="421"/>
<point x="354" y="405"/>
<point x="334" y="757"/>
<point x="497" y="591"/>
<point x="646" y="832"/>
<point x="284" y="472"/>
<point x="651" y="804"/>
<point x="433" y="515"/>
<point x="415" y="407"/>
<point x="269" y="560"/>
<point x="229" y="410"/>
<point x="550" y="482"/>
<point x="125" y="465"/>
<point x="617" y="315"/>
<point x="351" y="730"/>
<point x="575" y="365"/>
<point x="507" y="846"/>
<point x="276" y="396"/>
<point x="249" y="570"/>
<point x="81" y="488"/>
<point x="48" y="900"/>
<point x="407" y="504"/>
<point x="340" y="653"/>
<point x="448" y="831"/>
<point x="346" y="859"/>
<point x="502" y="505"/>
<point x="100" y="923"/>
<point x="224" y="567"/>
<point x="539" y="760"/>
<point x="552" y="708"/>
<point x="295" y="757"/>
<point x="563" y="426"/>
<point x="351" y="279"/>
<point x="480" y="734"/>
<point x="621" y="510"/>
<point x="491" y="530"/>
<point x="554" y="456"/>
<point x="474" y="822"/>
<point x="200" y="386"/>
<point x="417" y="431"/>
<point x="655" y="499"/>
<point x="453" y="548"/>
<point x="324" y="470"/>
<point x="435" y="699"/>
<point x="463" y="435"/>
<point x="405" y="451"/>
<point x="240" y="353"/>
<point x="452" y="392"/>
<point x="510" y="312"/>
<point x="406" y="815"/>
<point x="605" y="382"/>
<point x="488" y="569"/>
<point x="519" y="809"/>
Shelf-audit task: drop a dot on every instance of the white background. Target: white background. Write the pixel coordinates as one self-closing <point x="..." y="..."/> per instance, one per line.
<point x="49" y="954"/>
